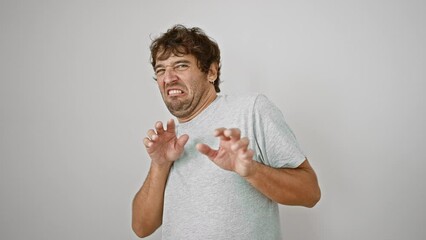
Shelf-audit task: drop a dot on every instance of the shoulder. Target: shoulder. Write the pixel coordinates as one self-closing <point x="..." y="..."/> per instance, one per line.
<point x="262" y="102"/>
<point x="252" y="102"/>
<point x="244" y="99"/>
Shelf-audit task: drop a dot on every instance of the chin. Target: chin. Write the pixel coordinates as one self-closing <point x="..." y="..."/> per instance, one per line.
<point x="175" y="112"/>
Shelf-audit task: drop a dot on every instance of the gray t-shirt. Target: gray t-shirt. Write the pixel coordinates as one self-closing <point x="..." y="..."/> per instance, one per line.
<point x="203" y="201"/>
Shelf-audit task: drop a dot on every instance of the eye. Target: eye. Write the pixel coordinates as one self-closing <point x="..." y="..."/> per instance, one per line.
<point x="159" y="71"/>
<point x="181" y="67"/>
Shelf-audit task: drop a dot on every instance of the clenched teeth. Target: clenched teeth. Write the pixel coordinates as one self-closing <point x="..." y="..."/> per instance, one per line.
<point x="175" y="92"/>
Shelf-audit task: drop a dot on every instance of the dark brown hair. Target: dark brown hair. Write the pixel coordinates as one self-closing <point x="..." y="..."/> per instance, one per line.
<point x="180" y="40"/>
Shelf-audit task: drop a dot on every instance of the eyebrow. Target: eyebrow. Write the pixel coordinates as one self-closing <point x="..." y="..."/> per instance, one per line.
<point x="173" y="63"/>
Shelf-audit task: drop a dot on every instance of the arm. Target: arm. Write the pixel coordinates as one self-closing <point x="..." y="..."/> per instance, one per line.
<point x="289" y="186"/>
<point x="164" y="148"/>
<point x="147" y="209"/>
<point x="297" y="186"/>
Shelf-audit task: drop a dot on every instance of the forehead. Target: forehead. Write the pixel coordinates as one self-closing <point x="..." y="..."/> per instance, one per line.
<point x="174" y="58"/>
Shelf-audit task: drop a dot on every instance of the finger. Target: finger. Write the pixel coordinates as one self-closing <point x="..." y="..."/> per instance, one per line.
<point x="220" y="133"/>
<point x="159" y="127"/>
<point x="182" y="140"/>
<point x="233" y="133"/>
<point x="206" y="150"/>
<point x="242" y="144"/>
<point x="171" y="127"/>
<point x="147" y="142"/>
<point x="151" y="134"/>
<point x="247" y="155"/>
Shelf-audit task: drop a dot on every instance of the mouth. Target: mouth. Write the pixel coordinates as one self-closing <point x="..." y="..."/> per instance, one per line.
<point x="174" y="92"/>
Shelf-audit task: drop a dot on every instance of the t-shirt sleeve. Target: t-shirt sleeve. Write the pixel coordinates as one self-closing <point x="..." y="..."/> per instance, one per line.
<point x="275" y="142"/>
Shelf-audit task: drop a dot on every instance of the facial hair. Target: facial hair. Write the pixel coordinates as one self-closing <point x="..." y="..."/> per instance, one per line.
<point x="182" y="108"/>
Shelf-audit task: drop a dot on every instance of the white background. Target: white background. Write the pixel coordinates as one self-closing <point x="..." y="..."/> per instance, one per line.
<point x="77" y="97"/>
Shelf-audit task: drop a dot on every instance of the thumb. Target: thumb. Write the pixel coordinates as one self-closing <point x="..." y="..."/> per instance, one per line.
<point x="206" y="150"/>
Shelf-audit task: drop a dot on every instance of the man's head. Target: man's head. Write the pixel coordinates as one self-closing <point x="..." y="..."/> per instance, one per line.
<point x="186" y="64"/>
<point x="180" y="41"/>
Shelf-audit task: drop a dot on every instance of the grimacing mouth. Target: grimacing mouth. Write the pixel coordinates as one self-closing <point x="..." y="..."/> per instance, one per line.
<point x="174" y="92"/>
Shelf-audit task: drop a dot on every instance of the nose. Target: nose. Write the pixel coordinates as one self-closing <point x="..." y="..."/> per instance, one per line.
<point x="169" y="75"/>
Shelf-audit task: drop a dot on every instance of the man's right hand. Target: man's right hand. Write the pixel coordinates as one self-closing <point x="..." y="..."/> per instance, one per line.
<point x="162" y="145"/>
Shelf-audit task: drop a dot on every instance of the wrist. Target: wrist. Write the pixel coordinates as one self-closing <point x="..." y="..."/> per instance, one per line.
<point x="165" y="165"/>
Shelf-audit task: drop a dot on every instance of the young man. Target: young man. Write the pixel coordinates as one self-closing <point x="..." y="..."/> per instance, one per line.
<point x="221" y="171"/>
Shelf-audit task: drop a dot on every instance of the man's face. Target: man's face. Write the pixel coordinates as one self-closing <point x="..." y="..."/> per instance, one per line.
<point x="184" y="88"/>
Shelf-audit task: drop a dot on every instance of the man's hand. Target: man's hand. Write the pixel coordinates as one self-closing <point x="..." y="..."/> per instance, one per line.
<point x="163" y="146"/>
<point x="233" y="153"/>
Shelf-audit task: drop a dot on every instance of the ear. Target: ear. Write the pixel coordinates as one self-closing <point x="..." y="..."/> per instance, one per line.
<point x="212" y="74"/>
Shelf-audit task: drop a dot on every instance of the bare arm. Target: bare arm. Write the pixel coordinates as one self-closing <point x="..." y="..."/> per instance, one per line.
<point x="147" y="210"/>
<point x="289" y="186"/>
<point x="164" y="148"/>
<point x="297" y="186"/>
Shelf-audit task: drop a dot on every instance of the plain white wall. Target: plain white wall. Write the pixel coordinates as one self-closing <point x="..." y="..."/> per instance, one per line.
<point x="77" y="97"/>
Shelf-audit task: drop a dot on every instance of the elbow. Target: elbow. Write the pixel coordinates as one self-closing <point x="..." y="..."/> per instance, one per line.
<point x="314" y="193"/>
<point x="307" y="199"/>
<point x="140" y="231"/>
<point x="314" y="198"/>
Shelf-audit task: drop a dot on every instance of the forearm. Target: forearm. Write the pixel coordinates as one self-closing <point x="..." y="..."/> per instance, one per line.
<point x="286" y="186"/>
<point x="147" y="209"/>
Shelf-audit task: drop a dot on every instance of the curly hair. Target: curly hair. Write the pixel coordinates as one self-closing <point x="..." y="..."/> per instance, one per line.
<point x="180" y="40"/>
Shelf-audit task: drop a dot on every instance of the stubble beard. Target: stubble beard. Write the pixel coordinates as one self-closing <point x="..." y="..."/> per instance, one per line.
<point x="183" y="108"/>
<point x="178" y="108"/>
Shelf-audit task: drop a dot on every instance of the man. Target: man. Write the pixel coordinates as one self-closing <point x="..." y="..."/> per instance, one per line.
<point x="221" y="171"/>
